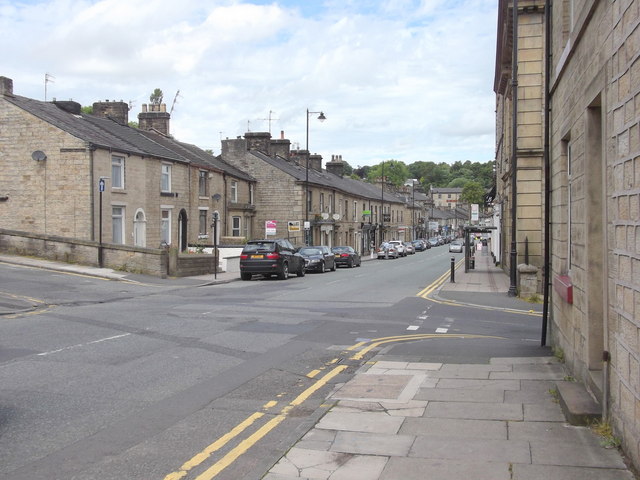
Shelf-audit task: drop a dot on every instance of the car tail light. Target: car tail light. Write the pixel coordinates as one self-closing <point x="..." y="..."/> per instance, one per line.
<point x="272" y="256"/>
<point x="344" y="255"/>
<point x="244" y="256"/>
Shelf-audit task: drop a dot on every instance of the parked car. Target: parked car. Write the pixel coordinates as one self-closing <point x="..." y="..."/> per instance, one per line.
<point x="434" y="242"/>
<point x="410" y="249"/>
<point x="419" y="245"/>
<point x="399" y="246"/>
<point x="318" y="258"/>
<point x="387" y="250"/>
<point x="455" y="246"/>
<point x="346" y="256"/>
<point x="270" y="257"/>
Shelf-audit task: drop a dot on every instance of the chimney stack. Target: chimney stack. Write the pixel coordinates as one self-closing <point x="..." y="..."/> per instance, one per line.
<point x="6" y="87"/>
<point x="336" y="165"/>
<point x="156" y="118"/>
<point x="118" y="111"/>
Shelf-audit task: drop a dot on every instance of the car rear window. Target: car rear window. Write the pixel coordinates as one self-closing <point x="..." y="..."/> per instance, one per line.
<point x="311" y="251"/>
<point x="259" y="247"/>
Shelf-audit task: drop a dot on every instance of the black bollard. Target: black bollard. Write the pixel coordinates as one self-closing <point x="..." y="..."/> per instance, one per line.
<point x="453" y="269"/>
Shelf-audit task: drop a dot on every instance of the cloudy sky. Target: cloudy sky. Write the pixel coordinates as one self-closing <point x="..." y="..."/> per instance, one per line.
<point x="408" y="80"/>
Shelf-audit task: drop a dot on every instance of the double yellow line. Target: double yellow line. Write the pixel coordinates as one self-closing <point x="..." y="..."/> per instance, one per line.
<point x="251" y="440"/>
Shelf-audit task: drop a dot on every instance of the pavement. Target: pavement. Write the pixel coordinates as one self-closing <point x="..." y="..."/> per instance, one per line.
<point x="402" y="420"/>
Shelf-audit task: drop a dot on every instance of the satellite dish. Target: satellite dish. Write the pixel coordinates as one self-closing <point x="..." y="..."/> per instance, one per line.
<point x="325" y="216"/>
<point x="217" y="197"/>
<point x="39" y="156"/>
<point x="336" y="216"/>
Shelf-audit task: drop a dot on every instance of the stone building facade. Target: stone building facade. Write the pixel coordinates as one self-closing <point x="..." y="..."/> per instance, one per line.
<point x="59" y="166"/>
<point x="340" y="211"/>
<point x="529" y="149"/>
<point x="593" y="167"/>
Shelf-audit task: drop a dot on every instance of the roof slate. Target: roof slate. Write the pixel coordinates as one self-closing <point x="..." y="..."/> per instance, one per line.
<point x="106" y="133"/>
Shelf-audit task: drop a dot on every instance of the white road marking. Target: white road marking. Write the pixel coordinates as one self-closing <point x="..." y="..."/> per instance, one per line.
<point x="82" y="344"/>
<point x="442" y="330"/>
<point x="413" y="327"/>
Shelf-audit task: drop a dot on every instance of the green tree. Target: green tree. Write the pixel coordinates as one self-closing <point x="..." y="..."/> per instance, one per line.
<point x="156" y="97"/>
<point x="459" y="182"/>
<point x="87" y="109"/>
<point x="472" y="192"/>
<point x="394" y="172"/>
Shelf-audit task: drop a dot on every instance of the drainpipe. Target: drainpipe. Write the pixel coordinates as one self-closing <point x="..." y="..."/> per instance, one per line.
<point x="547" y="175"/>
<point x="224" y="202"/>
<point x="513" y="288"/>
<point x="92" y="195"/>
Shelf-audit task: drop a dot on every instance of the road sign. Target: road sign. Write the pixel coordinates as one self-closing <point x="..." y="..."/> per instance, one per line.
<point x="101" y="185"/>
<point x="293" y="225"/>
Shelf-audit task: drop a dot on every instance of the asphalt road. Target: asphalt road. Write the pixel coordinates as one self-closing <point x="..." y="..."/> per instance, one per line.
<point x="111" y="380"/>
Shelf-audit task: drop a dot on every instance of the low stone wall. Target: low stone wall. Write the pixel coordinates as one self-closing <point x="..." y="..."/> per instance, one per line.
<point x="148" y="261"/>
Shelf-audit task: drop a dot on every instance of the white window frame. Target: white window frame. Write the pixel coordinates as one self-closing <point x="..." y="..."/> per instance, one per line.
<point x="234" y="191"/>
<point x="165" y="224"/>
<point x="569" y="208"/>
<point x="203" y="232"/>
<point x="251" y="193"/>
<point x="165" y="177"/>
<point x="117" y="172"/>
<point x="203" y="180"/>
<point x="236" y="229"/>
<point x="118" y="219"/>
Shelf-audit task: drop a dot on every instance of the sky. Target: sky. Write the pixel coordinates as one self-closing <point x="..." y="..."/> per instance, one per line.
<point x="408" y="80"/>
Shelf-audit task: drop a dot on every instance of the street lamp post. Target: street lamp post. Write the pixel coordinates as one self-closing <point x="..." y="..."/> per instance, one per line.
<point x="413" y="206"/>
<point x="307" y="228"/>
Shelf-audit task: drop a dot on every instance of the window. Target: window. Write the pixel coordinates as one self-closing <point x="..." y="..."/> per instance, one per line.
<point x="309" y="198"/>
<point x="117" y="224"/>
<point x="202" y="183"/>
<point x="165" y="182"/>
<point x="251" y="192"/>
<point x="203" y="216"/>
<point x="322" y="202"/>
<point x="234" y="191"/>
<point x="235" y="226"/>
<point x="165" y="227"/>
<point x="117" y="172"/>
<point x="346" y="209"/>
<point x="332" y="207"/>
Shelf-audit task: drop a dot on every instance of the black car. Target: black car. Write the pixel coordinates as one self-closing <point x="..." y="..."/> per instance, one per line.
<point x="346" y="256"/>
<point x="270" y="257"/>
<point x="318" y="258"/>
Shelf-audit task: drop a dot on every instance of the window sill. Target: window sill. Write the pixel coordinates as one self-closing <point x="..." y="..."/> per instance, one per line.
<point x="168" y="194"/>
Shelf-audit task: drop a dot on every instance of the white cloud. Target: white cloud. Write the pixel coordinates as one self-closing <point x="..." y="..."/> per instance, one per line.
<point x="404" y="79"/>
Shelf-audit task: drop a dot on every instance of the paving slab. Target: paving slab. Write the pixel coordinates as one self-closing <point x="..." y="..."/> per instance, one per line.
<point x="460" y="395"/>
<point x="578" y="455"/>
<point x="447" y="427"/>
<point x="421" y="469"/>
<point x="537" y="472"/>
<point x="310" y="464"/>
<point x="373" y="444"/>
<point x="473" y="384"/>
<point x="471" y="449"/>
<point x="479" y="411"/>
<point x="552" y="432"/>
<point x="370" y="422"/>
<point x="549" y="412"/>
<point x="412" y="408"/>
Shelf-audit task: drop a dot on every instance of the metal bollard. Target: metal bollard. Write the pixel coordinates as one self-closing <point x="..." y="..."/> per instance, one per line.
<point x="472" y="263"/>
<point x="453" y="269"/>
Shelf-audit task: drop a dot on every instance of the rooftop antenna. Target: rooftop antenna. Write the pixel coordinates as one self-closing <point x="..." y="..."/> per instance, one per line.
<point x="269" y="119"/>
<point x="48" y="78"/>
<point x="175" y="100"/>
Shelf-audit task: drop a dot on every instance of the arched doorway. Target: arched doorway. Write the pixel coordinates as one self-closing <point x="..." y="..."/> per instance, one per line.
<point x="140" y="229"/>
<point x="182" y="231"/>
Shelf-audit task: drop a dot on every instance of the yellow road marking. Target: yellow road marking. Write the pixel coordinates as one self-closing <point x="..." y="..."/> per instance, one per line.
<point x="247" y="443"/>
<point x="313" y="373"/>
<point x="377" y="342"/>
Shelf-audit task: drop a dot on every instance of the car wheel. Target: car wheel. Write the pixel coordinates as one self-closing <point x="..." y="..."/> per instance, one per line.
<point x="284" y="272"/>
<point x="333" y="268"/>
<point x="302" y="271"/>
<point x="350" y="263"/>
<point x="322" y="268"/>
<point x="245" y="276"/>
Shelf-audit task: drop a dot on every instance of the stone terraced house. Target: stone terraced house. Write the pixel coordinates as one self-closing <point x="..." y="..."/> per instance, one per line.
<point x="93" y="177"/>
<point x="340" y="210"/>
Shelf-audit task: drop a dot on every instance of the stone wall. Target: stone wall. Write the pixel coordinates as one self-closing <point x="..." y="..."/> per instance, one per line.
<point x="85" y="252"/>
<point x="595" y="154"/>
